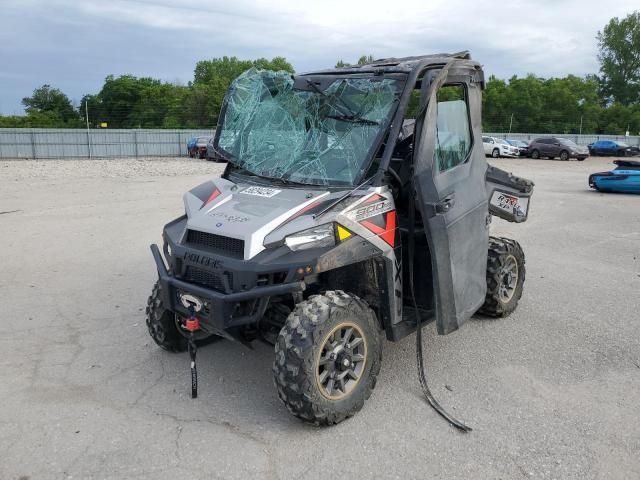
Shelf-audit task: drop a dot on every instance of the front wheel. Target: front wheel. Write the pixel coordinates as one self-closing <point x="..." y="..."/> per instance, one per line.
<point x="535" y="154"/>
<point x="166" y="328"/>
<point x="495" y="153"/>
<point x="327" y="357"/>
<point x="505" y="277"/>
<point x="564" y="155"/>
<point x="162" y="323"/>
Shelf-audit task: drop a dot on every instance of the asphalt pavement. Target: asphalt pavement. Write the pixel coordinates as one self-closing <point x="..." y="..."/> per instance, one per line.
<point x="553" y="391"/>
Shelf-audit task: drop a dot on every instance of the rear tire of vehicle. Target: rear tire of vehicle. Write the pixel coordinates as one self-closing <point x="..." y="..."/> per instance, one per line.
<point x="535" y="154"/>
<point x="495" y="153"/>
<point x="505" y="260"/>
<point x="162" y="324"/>
<point x="564" y="155"/>
<point x="300" y="371"/>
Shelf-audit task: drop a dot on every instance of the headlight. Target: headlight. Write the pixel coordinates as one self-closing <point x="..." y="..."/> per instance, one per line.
<point x="316" y="237"/>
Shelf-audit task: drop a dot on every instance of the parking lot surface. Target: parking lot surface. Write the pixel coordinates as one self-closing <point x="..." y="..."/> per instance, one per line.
<point x="552" y="391"/>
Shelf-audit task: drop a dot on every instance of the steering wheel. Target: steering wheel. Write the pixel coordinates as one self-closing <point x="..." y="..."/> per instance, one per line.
<point x="397" y="180"/>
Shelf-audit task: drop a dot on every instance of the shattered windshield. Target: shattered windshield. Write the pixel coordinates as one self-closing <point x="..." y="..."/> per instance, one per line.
<point x="319" y="133"/>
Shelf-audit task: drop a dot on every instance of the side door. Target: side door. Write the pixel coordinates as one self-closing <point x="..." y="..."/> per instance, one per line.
<point x="449" y="177"/>
<point x="543" y="144"/>
<point x="555" y="148"/>
<point x="487" y="144"/>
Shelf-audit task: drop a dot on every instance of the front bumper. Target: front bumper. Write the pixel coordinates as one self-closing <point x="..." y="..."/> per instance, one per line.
<point x="509" y="154"/>
<point x="219" y="310"/>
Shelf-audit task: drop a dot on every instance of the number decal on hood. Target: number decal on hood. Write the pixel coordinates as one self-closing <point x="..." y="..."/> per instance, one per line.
<point x="261" y="191"/>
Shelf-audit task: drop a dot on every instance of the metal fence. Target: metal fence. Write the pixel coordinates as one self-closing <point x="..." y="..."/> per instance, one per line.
<point x="37" y="143"/>
<point x="41" y="143"/>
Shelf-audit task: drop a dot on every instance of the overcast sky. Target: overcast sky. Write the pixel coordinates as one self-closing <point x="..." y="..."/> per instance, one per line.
<point x="74" y="44"/>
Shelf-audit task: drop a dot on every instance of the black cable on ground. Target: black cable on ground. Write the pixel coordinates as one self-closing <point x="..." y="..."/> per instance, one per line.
<point x="419" y="355"/>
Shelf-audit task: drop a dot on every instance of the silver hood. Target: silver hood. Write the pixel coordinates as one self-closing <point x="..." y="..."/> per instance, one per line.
<point x="244" y="211"/>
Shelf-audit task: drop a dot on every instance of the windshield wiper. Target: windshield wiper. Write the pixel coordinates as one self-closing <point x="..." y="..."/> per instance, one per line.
<point x="244" y="171"/>
<point x="343" y="197"/>
<point x="349" y="115"/>
<point x="353" y="119"/>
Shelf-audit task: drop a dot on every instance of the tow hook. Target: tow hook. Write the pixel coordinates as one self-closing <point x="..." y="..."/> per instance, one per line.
<point x="192" y="325"/>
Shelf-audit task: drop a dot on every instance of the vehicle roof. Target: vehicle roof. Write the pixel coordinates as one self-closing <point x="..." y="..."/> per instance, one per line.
<point x="400" y="65"/>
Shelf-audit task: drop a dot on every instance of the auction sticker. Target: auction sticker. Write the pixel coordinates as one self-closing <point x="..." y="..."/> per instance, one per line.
<point x="261" y="191"/>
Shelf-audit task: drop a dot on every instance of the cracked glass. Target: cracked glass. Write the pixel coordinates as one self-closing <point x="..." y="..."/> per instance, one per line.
<point x="313" y="132"/>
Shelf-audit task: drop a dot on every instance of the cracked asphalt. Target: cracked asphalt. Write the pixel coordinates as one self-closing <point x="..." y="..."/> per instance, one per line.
<point x="553" y="391"/>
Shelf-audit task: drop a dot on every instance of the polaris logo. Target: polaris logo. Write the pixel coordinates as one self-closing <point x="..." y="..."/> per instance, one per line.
<point x="203" y="260"/>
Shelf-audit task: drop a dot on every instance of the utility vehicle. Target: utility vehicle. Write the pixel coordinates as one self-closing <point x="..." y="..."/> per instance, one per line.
<point x="355" y="205"/>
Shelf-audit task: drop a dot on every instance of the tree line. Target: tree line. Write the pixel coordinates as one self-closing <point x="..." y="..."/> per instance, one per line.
<point x="603" y="103"/>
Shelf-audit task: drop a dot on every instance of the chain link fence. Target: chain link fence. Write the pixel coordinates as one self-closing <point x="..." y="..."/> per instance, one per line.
<point x="45" y="143"/>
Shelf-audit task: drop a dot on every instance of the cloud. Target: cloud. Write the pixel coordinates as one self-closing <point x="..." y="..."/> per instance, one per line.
<point x="74" y="44"/>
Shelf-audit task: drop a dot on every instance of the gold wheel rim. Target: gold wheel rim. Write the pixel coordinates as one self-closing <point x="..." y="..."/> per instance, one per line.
<point x="341" y="361"/>
<point x="508" y="279"/>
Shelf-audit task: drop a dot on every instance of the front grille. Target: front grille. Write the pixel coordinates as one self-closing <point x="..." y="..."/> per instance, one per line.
<point x="205" y="278"/>
<point x="230" y="246"/>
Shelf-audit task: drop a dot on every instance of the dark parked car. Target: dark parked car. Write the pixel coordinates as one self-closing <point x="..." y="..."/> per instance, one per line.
<point x="612" y="147"/>
<point x="197" y="147"/>
<point x="212" y="155"/>
<point x="552" y="147"/>
<point x="523" y="147"/>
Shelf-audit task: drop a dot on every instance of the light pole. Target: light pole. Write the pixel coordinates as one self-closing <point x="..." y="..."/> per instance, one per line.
<point x="580" y="124"/>
<point x="86" y="115"/>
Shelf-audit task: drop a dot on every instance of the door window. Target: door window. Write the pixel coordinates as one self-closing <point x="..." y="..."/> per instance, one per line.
<point x="453" y="128"/>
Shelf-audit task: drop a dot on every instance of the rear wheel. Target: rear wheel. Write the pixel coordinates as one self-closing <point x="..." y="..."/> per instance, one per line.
<point x="327" y="357"/>
<point x="495" y="153"/>
<point x="564" y="155"/>
<point x="505" y="277"/>
<point x="535" y="154"/>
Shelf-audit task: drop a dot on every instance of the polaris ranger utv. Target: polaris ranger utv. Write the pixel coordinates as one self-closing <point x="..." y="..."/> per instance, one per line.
<point x="356" y="204"/>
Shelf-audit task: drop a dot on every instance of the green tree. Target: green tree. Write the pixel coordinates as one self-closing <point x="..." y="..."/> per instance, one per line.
<point x="619" y="56"/>
<point x="363" y="60"/>
<point x="51" y="104"/>
<point x="211" y="81"/>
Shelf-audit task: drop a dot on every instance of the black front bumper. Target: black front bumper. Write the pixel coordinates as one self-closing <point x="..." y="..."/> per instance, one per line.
<point x="219" y="311"/>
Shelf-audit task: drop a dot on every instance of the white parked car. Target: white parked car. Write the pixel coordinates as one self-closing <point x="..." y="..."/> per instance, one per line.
<point x="497" y="147"/>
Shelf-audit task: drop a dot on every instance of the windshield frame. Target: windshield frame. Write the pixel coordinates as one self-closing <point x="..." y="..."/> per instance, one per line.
<point x="329" y="78"/>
